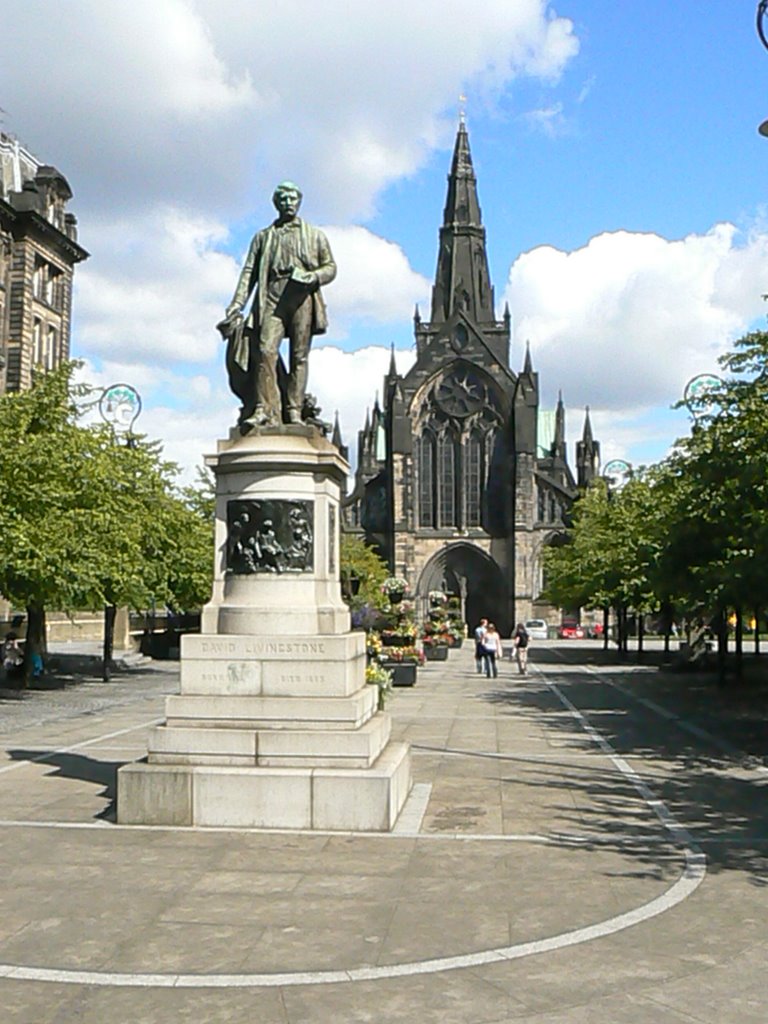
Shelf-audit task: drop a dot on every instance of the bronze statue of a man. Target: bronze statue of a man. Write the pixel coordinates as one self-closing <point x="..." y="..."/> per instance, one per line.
<point x="287" y="263"/>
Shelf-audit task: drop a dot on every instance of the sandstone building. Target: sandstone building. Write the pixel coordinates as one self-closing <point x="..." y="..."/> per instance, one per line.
<point x="38" y="253"/>
<point x="461" y="478"/>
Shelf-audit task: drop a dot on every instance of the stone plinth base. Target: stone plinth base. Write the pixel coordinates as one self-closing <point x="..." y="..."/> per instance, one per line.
<point x="337" y="799"/>
<point x="275" y="726"/>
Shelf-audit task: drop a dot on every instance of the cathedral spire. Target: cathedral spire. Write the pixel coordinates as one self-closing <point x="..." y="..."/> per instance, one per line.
<point x="558" y="446"/>
<point x="336" y="438"/>
<point x="587" y="454"/>
<point x="392" y="367"/>
<point x="586" y="436"/>
<point x="462" y="281"/>
<point x="528" y="364"/>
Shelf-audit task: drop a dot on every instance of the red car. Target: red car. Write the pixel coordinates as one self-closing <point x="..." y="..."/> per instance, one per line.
<point x="570" y="630"/>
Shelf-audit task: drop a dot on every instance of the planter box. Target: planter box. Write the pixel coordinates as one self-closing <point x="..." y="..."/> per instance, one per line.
<point x="403" y="672"/>
<point x="398" y="640"/>
<point x="439" y="653"/>
<point x="457" y="643"/>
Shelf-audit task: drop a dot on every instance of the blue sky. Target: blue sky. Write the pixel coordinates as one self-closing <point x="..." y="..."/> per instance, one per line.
<point x="621" y="177"/>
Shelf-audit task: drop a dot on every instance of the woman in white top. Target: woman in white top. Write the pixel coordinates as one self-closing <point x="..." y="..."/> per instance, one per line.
<point x="491" y="650"/>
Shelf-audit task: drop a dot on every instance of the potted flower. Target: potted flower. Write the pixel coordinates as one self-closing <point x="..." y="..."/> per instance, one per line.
<point x="394" y="587"/>
<point x="373" y="643"/>
<point x="403" y="662"/>
<point x="377" y="675"/>
<point x="435" y="648"/>
<point x="401" y="635"/>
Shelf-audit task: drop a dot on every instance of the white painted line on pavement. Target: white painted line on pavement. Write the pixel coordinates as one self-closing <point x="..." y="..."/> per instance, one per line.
<point x="691" y="878"/>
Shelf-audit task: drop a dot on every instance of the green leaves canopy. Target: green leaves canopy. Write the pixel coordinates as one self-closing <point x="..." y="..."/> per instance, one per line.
<point x="86" y="521"/>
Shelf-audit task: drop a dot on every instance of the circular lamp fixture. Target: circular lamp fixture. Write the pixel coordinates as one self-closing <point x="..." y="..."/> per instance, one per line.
<point x="617" y="472"/>
<point x="120" y="405"/>
<point x="697" y="395"/>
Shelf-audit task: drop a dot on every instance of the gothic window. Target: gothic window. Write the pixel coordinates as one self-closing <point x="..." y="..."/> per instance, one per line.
<point x="446" y="480"/>
<point x="474" y="476"/>
<point x="425" y="467"/>
<point x="454" y="452"/>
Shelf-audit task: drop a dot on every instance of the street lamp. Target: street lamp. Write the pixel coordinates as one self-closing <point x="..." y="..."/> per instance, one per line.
<point x="119" y="406"/>
<point x="697" y="396"/>
<point x="762" y="31"/>
<point x="616" y="473"/>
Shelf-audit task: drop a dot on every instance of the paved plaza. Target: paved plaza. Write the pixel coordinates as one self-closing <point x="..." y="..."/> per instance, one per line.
<point x="587" y="843"/>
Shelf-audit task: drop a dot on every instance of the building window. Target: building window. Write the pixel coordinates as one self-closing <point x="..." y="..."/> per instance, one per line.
<point x="425" y="469"/>
<point x="446" y="480"/>
<point x="47" y="283"/>
<point x="474" y="476"/>
<point x="51" y="349"/>
<point x="39" y="278"/>
<point x="37" y="342"/>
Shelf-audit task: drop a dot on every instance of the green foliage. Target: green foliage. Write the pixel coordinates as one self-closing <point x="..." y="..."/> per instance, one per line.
<point x="86" y="521"/>
<point x="693" y="531"/>
<point x="360" y="562"/>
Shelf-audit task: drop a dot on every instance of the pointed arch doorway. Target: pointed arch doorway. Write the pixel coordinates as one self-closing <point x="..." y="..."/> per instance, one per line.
<point x="468" y="571"/>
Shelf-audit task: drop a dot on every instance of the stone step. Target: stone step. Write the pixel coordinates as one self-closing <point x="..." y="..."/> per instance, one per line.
<point x="294" y="748"/>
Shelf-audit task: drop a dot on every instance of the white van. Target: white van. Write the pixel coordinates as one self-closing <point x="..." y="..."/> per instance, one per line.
<point x="537" y="629"/>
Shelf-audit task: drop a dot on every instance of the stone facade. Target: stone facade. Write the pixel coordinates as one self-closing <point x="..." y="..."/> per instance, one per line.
<point x="461" y="478"/>
<point x="38" y="253"/>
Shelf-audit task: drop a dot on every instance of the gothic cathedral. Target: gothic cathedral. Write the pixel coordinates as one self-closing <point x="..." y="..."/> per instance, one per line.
<point x="461" y="479"/>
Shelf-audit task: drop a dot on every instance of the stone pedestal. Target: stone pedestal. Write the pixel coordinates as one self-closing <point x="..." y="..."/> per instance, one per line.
<point x="274" y="726"/>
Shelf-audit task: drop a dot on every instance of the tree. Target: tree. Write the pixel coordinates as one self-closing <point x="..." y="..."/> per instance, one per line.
<point x="362" y="573"/>
<point x="610" y="551"/>
<point x="87" y="522"/>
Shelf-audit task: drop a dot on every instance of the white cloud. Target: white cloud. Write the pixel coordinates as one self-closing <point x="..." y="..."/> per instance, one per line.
<point x="375" y="280"/>
<point x="549" y="120"/>
<point x="199" y="102"/>
<point x="348" y="382"/>
<point x="155" y="287"/>
<point x="623" y="322"/>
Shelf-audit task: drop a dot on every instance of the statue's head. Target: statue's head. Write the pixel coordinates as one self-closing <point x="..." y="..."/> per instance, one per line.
<point x="287" y="199"/>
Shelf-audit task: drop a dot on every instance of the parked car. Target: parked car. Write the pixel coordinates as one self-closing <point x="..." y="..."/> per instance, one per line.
<point x="537" y="629"/>
<point x="570" y="630"/>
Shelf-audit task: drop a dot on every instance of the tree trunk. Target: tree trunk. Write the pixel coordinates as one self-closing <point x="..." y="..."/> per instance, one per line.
<point x="722" y="644"/>
<point x="738" y="644"/>
<point x="36" y="647"/>
<point x="757" y="630"/>
<point x="640" y="635"/>
<point x="110" y="611"/>
<point x="606" y="618"/>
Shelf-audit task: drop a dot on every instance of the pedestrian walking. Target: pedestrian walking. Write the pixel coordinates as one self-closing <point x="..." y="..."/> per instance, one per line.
<point x="479" y="637"/>
<point x="491" y="650"/>
<point x="521" y="639"/>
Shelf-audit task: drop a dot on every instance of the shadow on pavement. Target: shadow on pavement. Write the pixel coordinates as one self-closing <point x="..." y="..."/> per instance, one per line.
<point x="80" y="767"/>
<point x="717" y="794"/>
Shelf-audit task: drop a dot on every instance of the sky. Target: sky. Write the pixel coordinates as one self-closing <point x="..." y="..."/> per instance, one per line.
<point x="620" y="173"/>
